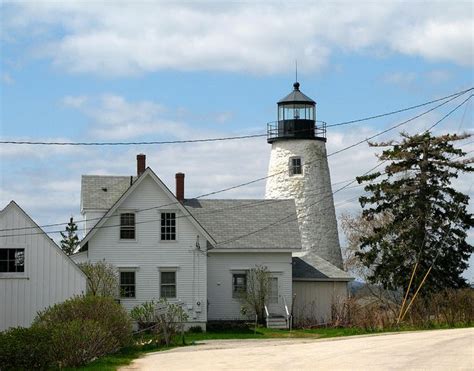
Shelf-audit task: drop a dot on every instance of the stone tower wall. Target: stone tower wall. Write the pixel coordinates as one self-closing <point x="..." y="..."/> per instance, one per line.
<point x="312" y="193"/>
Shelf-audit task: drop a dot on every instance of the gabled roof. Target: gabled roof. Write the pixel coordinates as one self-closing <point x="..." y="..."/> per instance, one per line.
<point x="313" y="268"/>
<point x="147" y="173"/>
<point x="248" y="224"/>
<point x="12" y="204"/>
<point x="99" y="192"/>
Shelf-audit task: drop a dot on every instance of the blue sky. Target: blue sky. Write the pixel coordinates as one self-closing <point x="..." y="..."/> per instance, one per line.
<point x="130" y="71"/>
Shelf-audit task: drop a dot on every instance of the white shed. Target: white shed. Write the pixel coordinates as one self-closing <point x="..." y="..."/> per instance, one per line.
<point x="34" y="271"/>
<point x="317" y="286"/>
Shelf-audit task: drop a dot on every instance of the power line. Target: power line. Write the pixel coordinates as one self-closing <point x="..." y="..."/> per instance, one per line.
<point x="189" y="209"/>
<point x="398" y="111"/>
<point x="404" y="123"/>
<point x="307" y="163"/>
<point x="282" y="221"/>
<point x="54" y="143"/>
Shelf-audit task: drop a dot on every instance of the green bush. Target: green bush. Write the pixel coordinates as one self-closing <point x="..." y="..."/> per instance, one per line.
<point x="26" y="348"/>
<point x="75" y="343"/>
<point x="165" y="325"/>
<point x="144" y="315"/>
<point x="108" y="314"/>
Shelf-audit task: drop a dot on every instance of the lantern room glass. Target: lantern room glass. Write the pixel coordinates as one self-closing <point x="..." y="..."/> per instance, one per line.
<point x="295" y="112"/>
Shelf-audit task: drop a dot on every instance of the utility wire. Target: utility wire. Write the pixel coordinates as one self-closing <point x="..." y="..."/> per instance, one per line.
<point x="282" y="221"/>
<point x="398" y="111"/>
<point x="25" y="142"/>
<point x="264" y="202"/>
<point x="307" y="163"/>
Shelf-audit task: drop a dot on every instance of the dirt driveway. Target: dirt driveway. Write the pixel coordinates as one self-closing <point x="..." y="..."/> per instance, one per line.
<point x="429" y="350"/>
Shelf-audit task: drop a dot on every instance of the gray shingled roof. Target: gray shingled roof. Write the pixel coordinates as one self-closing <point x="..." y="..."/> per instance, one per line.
<point x="296" y="96"/>
<point x="312" y="267"/>
<point x="240" y="224"/>
<point x="101" y="192"/>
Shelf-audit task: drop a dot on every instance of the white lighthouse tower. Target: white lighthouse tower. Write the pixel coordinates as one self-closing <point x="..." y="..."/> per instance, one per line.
<point x="299" y="170"/>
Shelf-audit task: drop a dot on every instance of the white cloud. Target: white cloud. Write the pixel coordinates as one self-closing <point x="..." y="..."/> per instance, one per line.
<point x="114" y="118"/>
<point x="438" y="76"/>
<point x="404" y="79"/>
<point x="123" y="38"/>
<point x="7" y="78"/>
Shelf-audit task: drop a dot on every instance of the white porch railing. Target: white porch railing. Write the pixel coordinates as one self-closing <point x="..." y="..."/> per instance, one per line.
<point x="289" y="318"/>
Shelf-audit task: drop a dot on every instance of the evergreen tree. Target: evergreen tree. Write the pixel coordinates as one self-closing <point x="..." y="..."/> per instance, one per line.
<point x="70" y="239"/>
<point x="428" y="217"/>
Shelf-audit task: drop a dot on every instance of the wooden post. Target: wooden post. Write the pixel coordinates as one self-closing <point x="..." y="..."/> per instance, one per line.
<point x="406" y="294"/>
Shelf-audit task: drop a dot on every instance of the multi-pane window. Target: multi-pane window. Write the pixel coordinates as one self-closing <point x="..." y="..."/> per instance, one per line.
<point x="168" y="226"/>
<point x="168" y="285"/>
<point x="295" y="166"/>
<point x="127" y="226"/>
<point x="239" y="284"/>
<point x="273" y="290"/>
<point x="12" y="260"/>
<point x="127" y="284"/>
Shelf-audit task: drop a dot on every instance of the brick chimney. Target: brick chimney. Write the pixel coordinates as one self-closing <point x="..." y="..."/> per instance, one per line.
<point x="180" y="187"/>
<point x="141" y="164"/>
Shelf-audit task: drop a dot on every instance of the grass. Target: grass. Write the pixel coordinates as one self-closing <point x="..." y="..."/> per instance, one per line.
<point x="127" y="355"/>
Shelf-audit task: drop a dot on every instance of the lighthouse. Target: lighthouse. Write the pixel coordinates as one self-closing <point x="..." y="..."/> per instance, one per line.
<point x="299" y="170"/>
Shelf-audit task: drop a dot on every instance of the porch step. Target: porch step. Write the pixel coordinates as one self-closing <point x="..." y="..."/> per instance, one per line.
<point x="277" y="322"/>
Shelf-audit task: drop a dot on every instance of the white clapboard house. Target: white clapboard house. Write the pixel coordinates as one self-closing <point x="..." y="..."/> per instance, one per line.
<point x="198" y="251"/>
<point x="34" y="271"/>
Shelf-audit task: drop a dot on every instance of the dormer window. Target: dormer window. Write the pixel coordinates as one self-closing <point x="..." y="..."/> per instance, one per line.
<point x="127" y="226"/>
<point x="296" y="167"/>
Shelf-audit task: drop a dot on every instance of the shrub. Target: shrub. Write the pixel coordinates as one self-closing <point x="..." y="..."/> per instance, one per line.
<point x="445" y="308"/>
<point x="25" y="348"/>
<point x="102" y="278"/>
<point x="167" y="325"/>
<point x="77" y="342"/>
<point x="144" y="315"/>
<point x="108" y="314"/>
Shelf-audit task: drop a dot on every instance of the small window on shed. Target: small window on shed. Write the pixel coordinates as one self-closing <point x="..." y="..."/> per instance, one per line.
<point x="12" y="260"/>
<point x="296" y="167"/>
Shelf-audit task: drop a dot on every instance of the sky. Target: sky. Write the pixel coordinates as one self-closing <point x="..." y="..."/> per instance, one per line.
<point x="148" y="71"/>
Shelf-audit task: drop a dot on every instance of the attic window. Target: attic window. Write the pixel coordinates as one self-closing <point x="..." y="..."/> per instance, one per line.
<point x="168" y="226"/>
<point x="127" y="226"/>
<point x="296" y="167"/>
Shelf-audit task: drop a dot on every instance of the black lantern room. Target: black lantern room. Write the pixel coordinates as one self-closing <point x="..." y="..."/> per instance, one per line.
<point x="296" y="118"/>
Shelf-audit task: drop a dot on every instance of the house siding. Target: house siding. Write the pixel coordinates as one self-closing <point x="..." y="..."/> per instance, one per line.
<point x="221" y="265"/>
<point x="314" y="300"/>
<point x="50" y="277"/>
<point x="91" y="218"/>
<point x="147" y="254"/>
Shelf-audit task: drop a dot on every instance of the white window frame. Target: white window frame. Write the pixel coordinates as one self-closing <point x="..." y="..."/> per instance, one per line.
<point x="169" y="270"/>
<point x="161" y="212"/>
<point x="134" y="225"/>
<point x="291" y="167"/>
<point x="127" y="270"/>
<point x="236" y="294"/>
